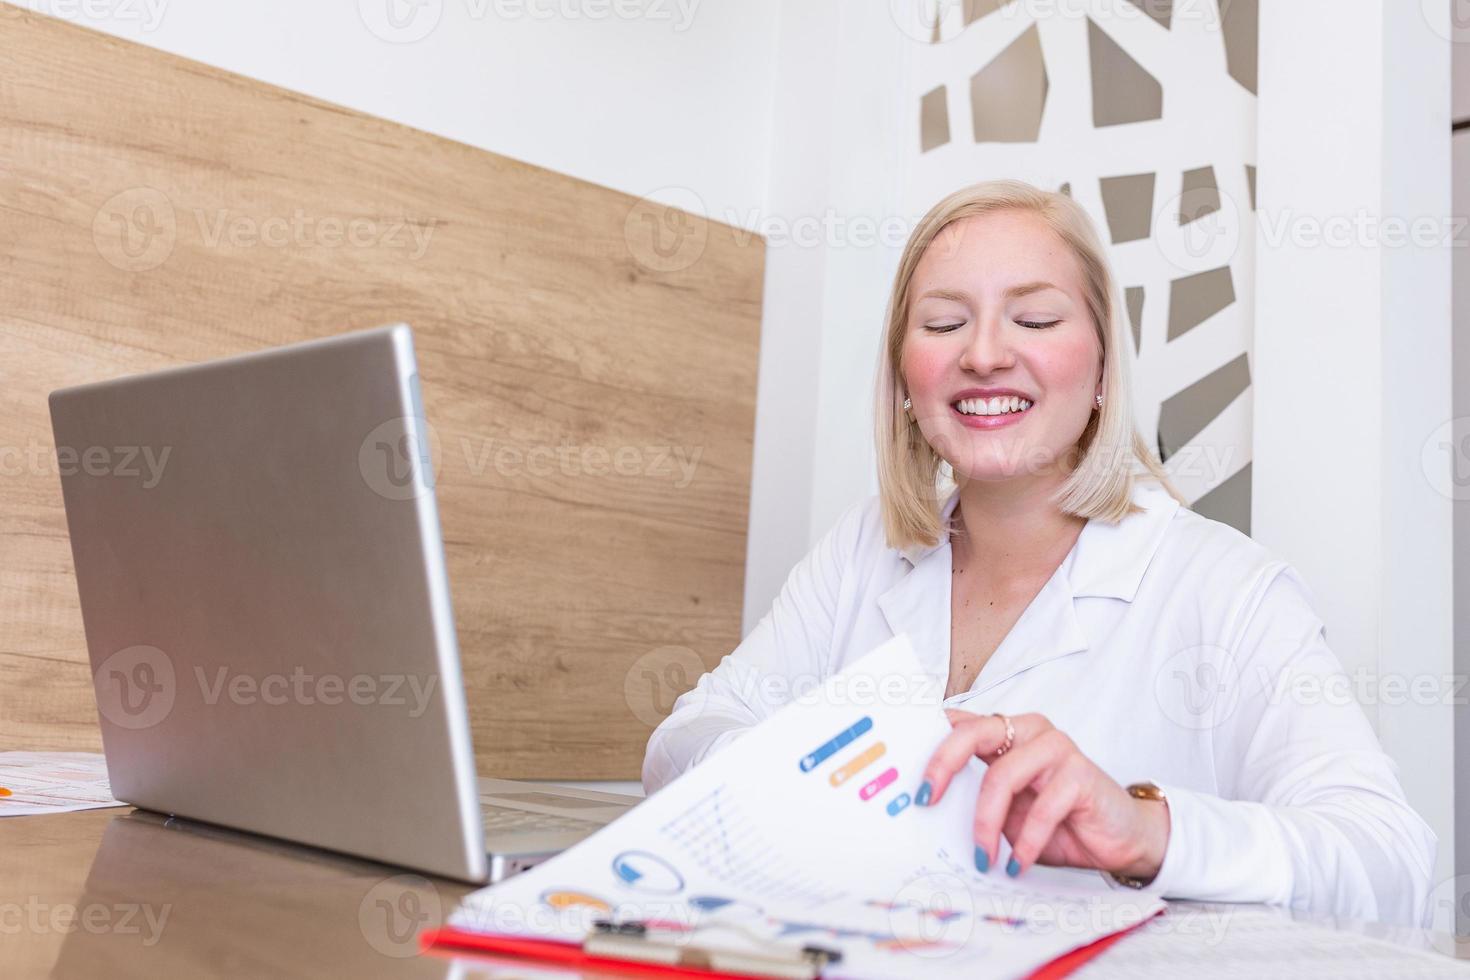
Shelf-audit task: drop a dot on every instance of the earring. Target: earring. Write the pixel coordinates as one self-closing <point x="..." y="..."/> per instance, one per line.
<point x="1099" y="401"/>
<point x="907" y="404"/>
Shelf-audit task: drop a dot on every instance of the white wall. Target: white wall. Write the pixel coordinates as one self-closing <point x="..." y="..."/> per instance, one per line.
<point x="1352" y="356"/>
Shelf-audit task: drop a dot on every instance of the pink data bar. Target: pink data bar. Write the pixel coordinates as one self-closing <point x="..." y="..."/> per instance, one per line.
<point x="881" y="780"/>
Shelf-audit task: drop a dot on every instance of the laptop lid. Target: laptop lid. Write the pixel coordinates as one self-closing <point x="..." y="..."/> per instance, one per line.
<point x="265" y="602"/>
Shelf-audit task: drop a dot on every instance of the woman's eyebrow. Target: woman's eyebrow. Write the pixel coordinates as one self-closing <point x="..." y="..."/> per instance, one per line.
<point x="949" y="294"/>
<point x="1021" y="289"/>
<point x="1027" y="288"/>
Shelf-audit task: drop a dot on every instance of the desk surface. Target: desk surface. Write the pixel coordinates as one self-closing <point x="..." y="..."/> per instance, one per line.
<point x="124" y="893"/>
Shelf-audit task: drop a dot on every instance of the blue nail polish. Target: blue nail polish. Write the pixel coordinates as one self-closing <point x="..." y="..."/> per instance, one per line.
<point x="982" y="860"/>
<point x="1013" y="867"/>
<point x="925" y="791"/>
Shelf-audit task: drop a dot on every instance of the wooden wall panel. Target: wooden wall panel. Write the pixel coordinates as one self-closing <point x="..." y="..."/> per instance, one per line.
<point x="157" y="212"/>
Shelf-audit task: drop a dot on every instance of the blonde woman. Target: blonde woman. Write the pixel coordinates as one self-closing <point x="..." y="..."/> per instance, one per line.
<point x="1137" y="678"/>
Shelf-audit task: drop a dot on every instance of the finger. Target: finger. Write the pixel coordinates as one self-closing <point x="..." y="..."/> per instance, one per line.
<point x="974" y="735"/>
<point x="971" y="732"/>
<point x="1046" y="813"/>
<point x="1007" y="777"/>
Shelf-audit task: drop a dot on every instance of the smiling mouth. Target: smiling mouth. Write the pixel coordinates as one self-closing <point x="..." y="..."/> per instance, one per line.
<point x="1000" y="405"/>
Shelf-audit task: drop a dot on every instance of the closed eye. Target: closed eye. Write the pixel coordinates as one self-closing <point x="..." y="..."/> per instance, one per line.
<point x="1038" y="324"/>
<point x="943" y="327"/>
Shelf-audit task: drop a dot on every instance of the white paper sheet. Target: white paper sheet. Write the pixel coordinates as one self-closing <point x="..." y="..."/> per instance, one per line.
<point x="788" y="838"/>
<point x="53" y="782"/>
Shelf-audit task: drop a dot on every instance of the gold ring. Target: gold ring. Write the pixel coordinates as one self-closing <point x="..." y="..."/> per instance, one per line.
<point x="1010" y="736"/>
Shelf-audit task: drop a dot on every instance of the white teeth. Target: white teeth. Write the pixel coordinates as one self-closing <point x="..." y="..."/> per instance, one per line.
<point x="1000" y="405"/>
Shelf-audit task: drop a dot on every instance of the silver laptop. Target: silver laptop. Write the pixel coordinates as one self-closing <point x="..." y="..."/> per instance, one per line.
<point x="267" y="611"/>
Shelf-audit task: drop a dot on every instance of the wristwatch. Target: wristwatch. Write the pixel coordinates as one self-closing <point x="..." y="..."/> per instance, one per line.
<point x="1140" y="791"/>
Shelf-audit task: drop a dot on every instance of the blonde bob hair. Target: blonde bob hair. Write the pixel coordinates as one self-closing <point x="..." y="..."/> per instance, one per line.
<point x="1111" y="453"/>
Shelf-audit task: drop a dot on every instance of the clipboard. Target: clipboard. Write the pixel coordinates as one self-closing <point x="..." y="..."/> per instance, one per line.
<point x="449" y="940"/>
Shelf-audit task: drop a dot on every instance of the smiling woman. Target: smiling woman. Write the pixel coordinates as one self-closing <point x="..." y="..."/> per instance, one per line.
<point x="1131" y="674"/>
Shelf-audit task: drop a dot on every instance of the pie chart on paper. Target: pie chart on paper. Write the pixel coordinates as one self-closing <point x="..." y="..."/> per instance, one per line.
<point x="645" y="872"/>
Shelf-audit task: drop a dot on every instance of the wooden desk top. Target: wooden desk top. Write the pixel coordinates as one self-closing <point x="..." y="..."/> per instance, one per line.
<point x="125" y="894"/>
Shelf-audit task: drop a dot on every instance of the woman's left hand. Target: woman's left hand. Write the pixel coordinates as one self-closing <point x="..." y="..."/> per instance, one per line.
<point x="1053" y="803"/>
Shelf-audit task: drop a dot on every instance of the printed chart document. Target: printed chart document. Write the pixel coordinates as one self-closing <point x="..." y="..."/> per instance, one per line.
<point x="53" y="782"/>
<point x="804" y="831"/>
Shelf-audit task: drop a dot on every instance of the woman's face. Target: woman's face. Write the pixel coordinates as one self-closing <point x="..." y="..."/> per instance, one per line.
<point x="1000" y="355"/>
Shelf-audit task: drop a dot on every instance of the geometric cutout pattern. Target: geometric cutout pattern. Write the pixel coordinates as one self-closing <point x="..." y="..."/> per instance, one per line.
<point x="1159" y="10"/>
<point x="1008" y="95"/>
<point x="1240" y="25"/>
<point x="1230" y="502"/>
<point x="1199" y="196"/>
<point x="1128" y="202"/>
<point x="1120" y="79"/>
<point x="1133" y="298"/>
<point x="1194" y="299"/>
<point x="933" y="120"/>
<point x="1185" y="414"/>
<point x="1122" y="90"/>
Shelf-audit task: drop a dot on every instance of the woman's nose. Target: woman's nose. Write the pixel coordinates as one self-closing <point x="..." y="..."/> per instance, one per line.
<point x="988" y="349"/>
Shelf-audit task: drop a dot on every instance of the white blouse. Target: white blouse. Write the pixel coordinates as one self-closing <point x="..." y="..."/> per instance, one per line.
<point x="1170" y="648"/>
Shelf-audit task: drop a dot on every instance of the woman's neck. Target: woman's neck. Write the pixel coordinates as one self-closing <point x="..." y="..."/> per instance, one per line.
<point x="1015" y="522"/>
